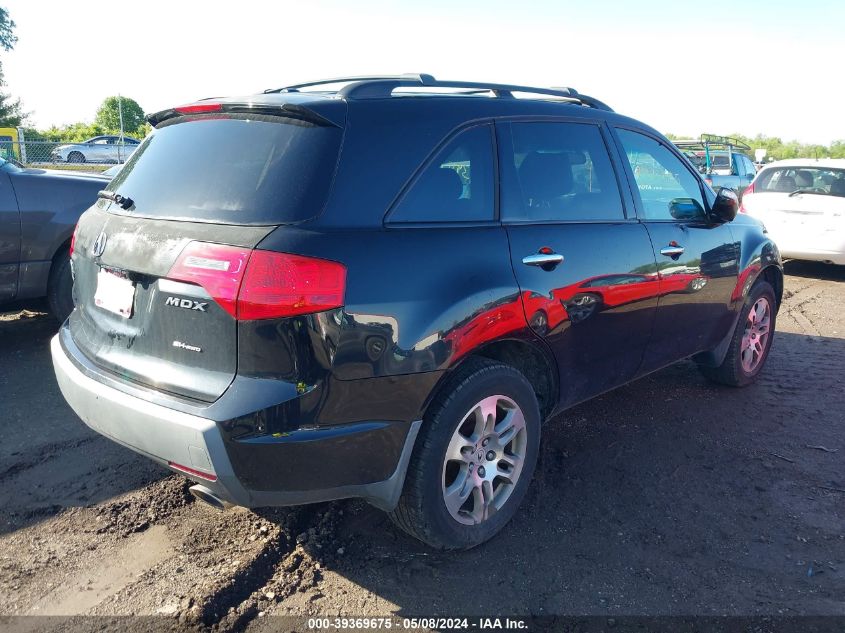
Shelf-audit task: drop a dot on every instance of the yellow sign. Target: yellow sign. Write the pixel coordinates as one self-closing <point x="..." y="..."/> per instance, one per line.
<point x="9" y="145"/>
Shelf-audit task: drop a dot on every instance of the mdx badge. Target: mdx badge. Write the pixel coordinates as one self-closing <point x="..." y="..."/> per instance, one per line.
<point x="99" y="245"/>
<point x="188" y="304"/>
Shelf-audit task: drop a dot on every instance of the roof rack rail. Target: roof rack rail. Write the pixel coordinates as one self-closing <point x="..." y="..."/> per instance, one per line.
<point x="711" y="140"/>
<point x="380" y="87"/>
<point x="343" y="80"/>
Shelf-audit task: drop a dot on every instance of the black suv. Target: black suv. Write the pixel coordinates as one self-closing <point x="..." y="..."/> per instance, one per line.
<point x="382" y="291"/>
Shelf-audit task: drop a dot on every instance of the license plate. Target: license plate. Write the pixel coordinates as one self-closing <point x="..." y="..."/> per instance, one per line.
<point x="115" y="293"/>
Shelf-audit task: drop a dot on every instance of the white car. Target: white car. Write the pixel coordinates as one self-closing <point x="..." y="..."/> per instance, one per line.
<point x="802" y="204"/>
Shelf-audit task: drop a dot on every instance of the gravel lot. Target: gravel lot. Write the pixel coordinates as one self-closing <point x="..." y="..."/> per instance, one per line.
<point x="668" y="496"/>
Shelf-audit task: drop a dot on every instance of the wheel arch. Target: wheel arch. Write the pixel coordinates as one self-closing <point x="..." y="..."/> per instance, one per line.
<point x="772" y="273"/>
<point x="58" y="251"/>
<point x="63" y="247"/>
<point x="524" y="354"/>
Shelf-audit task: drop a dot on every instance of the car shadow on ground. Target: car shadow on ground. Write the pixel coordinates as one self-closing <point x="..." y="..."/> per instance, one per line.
<point x="49" y="460"/>
<point x="668" y="496"/>
<point x="814" y="270"/>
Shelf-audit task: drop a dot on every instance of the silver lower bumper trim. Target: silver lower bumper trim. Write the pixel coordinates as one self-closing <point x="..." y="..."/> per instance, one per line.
<point x="166" y="435"/>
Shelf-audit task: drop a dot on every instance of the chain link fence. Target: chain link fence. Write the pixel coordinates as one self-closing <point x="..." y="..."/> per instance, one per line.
<point x="94" y="155"/>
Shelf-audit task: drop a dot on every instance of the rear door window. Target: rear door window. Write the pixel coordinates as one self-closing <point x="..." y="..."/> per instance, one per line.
<point x="557" y="172"/>
<point x="457" y="186"/>
<point x="232" y="169"/>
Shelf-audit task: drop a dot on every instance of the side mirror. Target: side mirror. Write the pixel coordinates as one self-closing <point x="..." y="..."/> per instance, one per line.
<point x="725" y="207"/>
<point x="686" y="209"/>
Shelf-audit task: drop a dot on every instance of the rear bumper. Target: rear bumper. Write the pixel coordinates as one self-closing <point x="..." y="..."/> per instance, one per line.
<point x="812" y="254"/>
<point x="169" y="436"/>
<point x="824" y="244"/>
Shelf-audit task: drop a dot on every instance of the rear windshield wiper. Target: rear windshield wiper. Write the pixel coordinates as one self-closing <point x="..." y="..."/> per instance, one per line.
<point x="122" y="201"/>
<point x="797" y="191"/>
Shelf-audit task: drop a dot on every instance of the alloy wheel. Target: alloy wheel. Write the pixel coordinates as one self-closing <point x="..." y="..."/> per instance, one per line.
<point x="756" y="335"/>
<point x="484" y="460"/>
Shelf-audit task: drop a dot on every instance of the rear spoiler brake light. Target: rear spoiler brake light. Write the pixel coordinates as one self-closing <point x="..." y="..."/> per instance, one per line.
<point x="199" y="108"/>
<point x="287" y="110"/>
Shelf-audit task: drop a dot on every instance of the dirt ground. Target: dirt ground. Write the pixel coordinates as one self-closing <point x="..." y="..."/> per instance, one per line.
<point x="670" y="496"/>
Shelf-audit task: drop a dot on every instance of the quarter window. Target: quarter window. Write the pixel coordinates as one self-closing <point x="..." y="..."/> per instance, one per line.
<point x="666" y="187"/>
<point x="554" y="171"/>
<point x="457" y="186"/>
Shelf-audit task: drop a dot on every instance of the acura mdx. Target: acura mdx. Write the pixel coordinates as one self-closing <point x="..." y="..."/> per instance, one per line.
<point x="381" y="287"/>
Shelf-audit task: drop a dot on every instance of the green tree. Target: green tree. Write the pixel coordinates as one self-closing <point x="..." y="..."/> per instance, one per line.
<point x="108" y="115"/>
<point x="11" y="114"/>
<point x="74" y="132"/>
<point x="837" y="149"/>
<point x="778" y="149"/>
<point x="8" y="39"/>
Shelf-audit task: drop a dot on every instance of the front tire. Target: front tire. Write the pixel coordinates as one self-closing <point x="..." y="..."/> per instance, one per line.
<point x="474" y="458"/>
<point x="751" y="342"/>
<point x="76" y="157"/>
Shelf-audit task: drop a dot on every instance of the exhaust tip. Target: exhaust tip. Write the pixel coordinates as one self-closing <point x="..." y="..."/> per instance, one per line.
<point x="204" y="494"/>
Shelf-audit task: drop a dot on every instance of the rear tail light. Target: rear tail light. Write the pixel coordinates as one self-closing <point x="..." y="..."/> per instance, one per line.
<point x="748" y="190"/>
<point x="709" y="181"/>
<point x="255" y="284"/>
<point x="73" y="240"/>
<point x="216" y="267"/>
<point x="282" y="285"/>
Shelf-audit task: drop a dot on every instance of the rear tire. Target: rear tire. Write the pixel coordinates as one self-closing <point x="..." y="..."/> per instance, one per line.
<point x="751" y="342"/>
<point x="60" y="288"/>
<point x="474" y="458"/>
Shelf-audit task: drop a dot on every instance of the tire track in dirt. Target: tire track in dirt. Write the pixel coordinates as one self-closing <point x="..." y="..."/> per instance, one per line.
<point x="45" y="453"/>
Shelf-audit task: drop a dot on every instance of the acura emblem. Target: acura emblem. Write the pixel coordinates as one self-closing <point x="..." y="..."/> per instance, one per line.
<point x="99" y="245"/>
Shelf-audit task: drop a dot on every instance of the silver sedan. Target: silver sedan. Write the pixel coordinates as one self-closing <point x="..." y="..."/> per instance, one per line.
<point x="100" y="149"/>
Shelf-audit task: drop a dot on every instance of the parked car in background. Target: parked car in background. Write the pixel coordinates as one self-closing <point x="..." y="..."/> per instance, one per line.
<point x="720" y="159"/>
<point x="351" y="289"/>
<point x="802" y="204"/>
<point x="39" y="209"/>
<point x="100" y="149"/>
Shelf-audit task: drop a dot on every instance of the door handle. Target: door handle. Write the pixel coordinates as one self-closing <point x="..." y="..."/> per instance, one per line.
<point x="543" y="259"/>
<point x="672" y="251"/>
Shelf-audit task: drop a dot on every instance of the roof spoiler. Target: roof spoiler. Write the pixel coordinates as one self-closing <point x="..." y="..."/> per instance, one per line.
<point x="212" y="107"/>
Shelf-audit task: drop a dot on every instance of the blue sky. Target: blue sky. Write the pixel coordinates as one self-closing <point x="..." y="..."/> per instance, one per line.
<point x="745" y="66"/>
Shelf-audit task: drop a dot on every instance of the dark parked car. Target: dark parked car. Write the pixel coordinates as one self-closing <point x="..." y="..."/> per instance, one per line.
<point x="313" y="294"/>
<point x="38" y="211"/>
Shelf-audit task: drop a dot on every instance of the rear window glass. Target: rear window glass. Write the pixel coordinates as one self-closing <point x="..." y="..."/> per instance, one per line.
<point x="812" y="179"/>
<point x="233" y="170"/>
